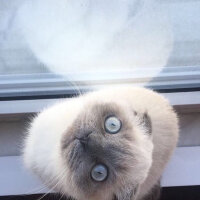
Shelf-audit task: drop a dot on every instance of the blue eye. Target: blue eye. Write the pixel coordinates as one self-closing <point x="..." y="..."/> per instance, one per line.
<point x="99" y="173"/>
<point x="112" y="125"/>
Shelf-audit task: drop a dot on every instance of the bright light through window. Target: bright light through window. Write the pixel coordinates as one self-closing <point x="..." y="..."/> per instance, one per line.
<point x="47" y="47"/>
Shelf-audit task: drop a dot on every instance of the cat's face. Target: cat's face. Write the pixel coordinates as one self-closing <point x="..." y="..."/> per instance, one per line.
<point x="108" y="151"/>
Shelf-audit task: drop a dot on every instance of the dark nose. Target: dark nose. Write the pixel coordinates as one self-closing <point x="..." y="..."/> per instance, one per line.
<point x="84" y="138"/>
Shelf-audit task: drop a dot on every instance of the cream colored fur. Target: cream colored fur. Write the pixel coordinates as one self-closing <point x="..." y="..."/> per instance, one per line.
<point x="42" y="144"/>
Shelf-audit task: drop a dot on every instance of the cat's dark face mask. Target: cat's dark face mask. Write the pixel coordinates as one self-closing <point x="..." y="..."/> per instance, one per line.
<point x="101" y="154"/>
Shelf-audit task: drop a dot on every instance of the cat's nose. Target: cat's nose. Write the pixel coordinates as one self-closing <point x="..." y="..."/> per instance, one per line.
<point x="84" y="139"/>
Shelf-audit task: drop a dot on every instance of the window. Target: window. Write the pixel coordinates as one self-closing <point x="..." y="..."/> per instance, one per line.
<point x="51" y="49"/>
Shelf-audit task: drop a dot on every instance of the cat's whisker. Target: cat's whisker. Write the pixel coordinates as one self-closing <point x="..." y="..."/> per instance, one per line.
<point x="52" y="188"/>
<point x="77" y="88"/>
<point x="61" y="196"/>
<point x="39" y="189"/>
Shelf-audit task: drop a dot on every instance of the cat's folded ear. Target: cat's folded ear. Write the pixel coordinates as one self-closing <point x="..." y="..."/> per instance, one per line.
<point x="145" y="121"/>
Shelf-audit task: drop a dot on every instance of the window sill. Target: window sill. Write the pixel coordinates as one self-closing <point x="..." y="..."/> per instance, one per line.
<point x="182" y="102"/>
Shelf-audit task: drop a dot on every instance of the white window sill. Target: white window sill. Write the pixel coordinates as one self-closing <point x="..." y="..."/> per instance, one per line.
<point x="182" y="101"/>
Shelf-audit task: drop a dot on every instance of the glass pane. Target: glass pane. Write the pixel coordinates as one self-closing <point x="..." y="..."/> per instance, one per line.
<point x="49" y="46"/>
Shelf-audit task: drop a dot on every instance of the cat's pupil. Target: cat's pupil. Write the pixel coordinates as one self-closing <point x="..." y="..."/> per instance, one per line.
<point x="113" y="124"/>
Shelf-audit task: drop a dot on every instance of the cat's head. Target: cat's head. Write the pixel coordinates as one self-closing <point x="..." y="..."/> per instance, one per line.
<point x="107" y="151"/>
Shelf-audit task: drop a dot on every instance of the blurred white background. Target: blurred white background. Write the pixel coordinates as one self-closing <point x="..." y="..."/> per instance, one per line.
<point x="82" y="36"/>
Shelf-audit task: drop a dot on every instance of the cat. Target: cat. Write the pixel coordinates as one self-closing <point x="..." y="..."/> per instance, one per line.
<point x="109" y="144"/>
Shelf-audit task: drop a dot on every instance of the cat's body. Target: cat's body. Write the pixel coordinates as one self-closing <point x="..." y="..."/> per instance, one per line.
<point x="135" y="156"/>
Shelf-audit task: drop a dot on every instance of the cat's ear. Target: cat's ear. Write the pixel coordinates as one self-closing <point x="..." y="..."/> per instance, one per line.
<point x="145" y="121"/>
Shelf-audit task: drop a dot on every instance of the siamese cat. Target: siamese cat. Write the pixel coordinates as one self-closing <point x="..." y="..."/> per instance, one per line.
<point x="108" y="144"/>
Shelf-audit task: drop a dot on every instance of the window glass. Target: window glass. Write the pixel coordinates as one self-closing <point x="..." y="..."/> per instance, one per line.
<point x="49" y="46"/>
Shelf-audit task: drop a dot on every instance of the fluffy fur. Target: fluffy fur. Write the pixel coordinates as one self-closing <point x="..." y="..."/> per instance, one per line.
<point x="135" y="157"/>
